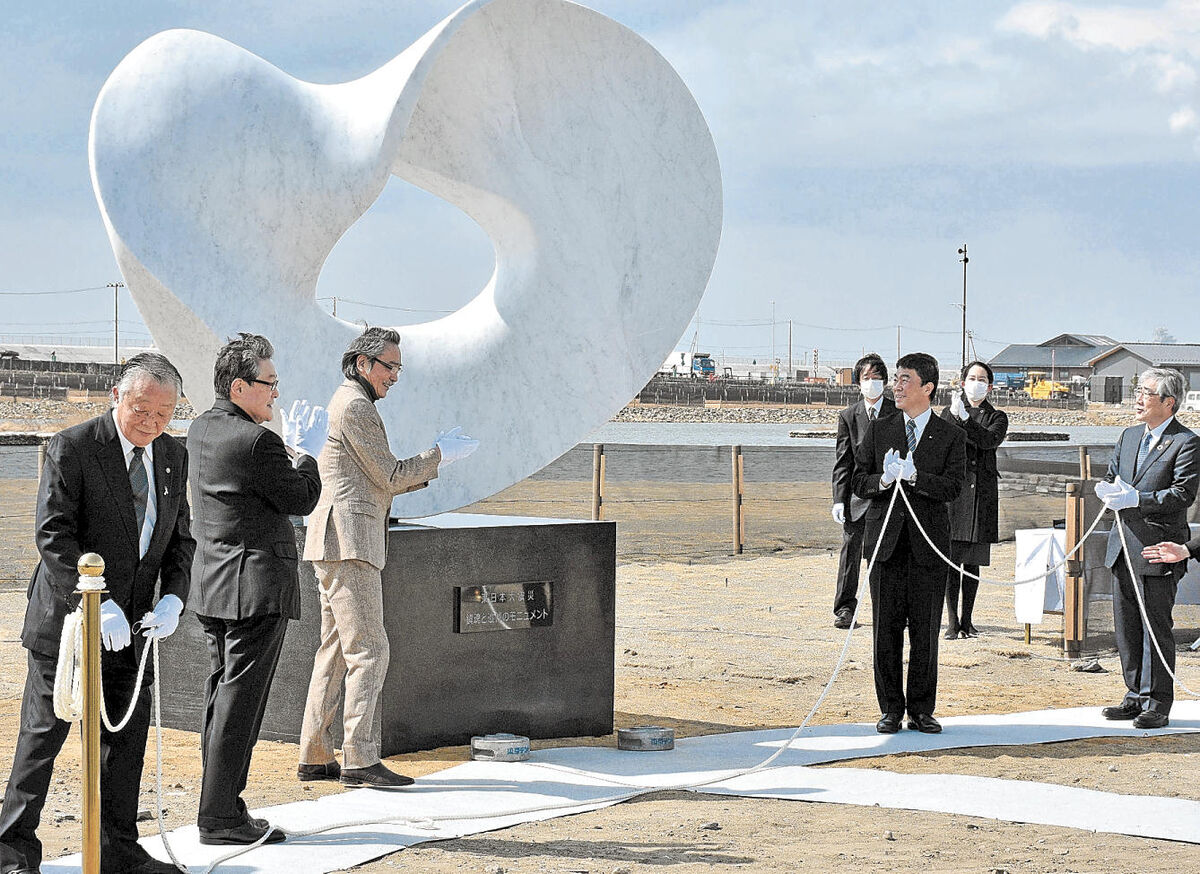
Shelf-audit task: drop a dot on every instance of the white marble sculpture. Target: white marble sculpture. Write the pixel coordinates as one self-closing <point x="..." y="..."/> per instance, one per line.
<point x="224" y="184"/>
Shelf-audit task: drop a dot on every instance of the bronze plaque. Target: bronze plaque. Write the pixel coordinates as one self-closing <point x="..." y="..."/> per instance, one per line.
<point x="502" y="607"/>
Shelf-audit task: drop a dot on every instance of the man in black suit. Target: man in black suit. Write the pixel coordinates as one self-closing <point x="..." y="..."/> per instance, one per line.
<point x="114" y="485"/>
<point x="850" y="511"/>
<point x="1151" y="481"/>
<point x="907" y="580"/>
<point x="245" y="581"/>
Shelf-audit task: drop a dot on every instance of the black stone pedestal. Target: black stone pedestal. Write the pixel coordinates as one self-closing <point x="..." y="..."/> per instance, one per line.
<point x="455" y="669"/>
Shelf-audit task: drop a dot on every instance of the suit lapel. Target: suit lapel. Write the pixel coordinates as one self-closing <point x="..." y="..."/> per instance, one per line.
<point x="165" y="489"/>
<point x="1155" y="452"/>
<point x="111" y="460"/>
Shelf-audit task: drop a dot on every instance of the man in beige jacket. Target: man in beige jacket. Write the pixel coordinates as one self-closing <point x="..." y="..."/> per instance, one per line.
<point x="347" y="545"/>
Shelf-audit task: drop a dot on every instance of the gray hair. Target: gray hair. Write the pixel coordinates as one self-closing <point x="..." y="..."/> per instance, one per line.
<point x="1168" y="383"/>
<point x="371" y="343"/>
<point x="239" y="358"/>
<point x="149" y="367"/>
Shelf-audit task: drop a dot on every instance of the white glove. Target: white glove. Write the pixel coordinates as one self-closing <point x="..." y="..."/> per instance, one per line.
<point x="839" y="513"/>
<point x="891" y="467"/>
<point x="114" y="627"/>
<point x="1124" y="496"/>
<point x="908" y="469"/>
<point x="305" y="427"/>
<point x="1104" y="489"/>
<point x="163" y="619"/>
<point x="314" y="432"/>
<point x="455" y="445"/>
<point x="957" y="407"/>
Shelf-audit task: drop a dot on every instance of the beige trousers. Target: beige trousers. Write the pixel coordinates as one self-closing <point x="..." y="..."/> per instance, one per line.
<point x="354" y="648"/>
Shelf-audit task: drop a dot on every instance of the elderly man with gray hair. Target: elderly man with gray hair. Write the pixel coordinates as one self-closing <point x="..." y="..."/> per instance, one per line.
<point x="348" y="547"/>
<point x="1151" y="481"/>
<point x="114" y="485"/>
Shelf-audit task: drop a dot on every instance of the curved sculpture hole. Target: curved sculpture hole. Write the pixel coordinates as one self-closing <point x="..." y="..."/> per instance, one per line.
<point x="411" y="258"/>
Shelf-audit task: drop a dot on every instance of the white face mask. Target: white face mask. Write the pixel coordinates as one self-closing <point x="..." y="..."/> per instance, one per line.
<point x="871" y="388"/>
<point x="975" y="389"/>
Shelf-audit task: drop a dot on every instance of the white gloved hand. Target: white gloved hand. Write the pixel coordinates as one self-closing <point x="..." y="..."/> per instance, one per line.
<point x="1123" y="498"/>
<point x="314" y="431"/>
<point x="891" y="462"/>
<point x="908" y="469"/>
<point x="839" y="513"/>
<point x="114" y="627"/>
<point x="163" y="619"/>
<point x="957" y="407"/>
<point x="454" y="445"/>
<point x="291" y="423"/>
<point x="1104" y="488"/>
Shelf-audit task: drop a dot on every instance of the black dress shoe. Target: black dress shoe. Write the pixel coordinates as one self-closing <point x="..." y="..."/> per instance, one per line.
<point x="889" y="723"/>
<point x="376" y="776"/>
<point x="1150" y="719"/>
<point x="924" y="722"/>
<point x="1122" y="711"/>
<point x="152" y="866"/>
<point x="951" y="633"/>
<point x="327" y="771"/>
<point x="969" y="630"/>
<point x="842" y="620"/>
<point x="246" y="833"/>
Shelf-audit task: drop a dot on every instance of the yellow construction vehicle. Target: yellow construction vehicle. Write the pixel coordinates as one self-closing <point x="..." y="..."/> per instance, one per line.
<point x="1041" y="387"/>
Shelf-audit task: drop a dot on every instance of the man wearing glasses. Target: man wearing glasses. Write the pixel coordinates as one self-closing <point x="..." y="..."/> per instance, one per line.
<point x="1151" y="481"/>
<point x="245" y="580"/>
<point x="347" y="543"/>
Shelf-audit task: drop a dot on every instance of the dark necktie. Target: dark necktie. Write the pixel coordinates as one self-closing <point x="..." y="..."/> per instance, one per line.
<point x="912" y="435"/>
<point x="871" y="413"/>
<point x="140" y="484"/>
<point x="1143" y="451"/>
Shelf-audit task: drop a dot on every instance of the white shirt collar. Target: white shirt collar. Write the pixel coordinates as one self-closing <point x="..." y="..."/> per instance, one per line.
<point x="1157" y="433"/>
<point x="877" y="406"/>
<point x="920" y="421"/>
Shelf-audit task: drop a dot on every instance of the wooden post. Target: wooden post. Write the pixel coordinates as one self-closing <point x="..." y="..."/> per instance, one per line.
<point x="597" y="482"/>
<point x="1083" y="462"/>
<point x="739" y="530"/>
<point x="41" y="450"/>
<point x="1074" y="630"/>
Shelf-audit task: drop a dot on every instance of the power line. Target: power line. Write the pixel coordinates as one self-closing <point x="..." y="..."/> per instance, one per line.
<point x="62" y="291"/>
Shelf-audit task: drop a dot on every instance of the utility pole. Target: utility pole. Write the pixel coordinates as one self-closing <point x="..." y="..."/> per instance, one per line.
<point x="791" y="372"/>
<point x="116" y="286"/>
<point x="897" y="342"/>
<point x="964" y="259"/>
<point x="774" y="362"/>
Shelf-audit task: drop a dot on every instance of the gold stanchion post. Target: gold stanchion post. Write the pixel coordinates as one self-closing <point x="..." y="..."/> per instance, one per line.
<point x="91" y="587"/>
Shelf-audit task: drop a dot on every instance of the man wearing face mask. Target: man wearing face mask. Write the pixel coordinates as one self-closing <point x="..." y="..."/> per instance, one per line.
<point x="974" y="514"/>
<point x="849" y="511"/>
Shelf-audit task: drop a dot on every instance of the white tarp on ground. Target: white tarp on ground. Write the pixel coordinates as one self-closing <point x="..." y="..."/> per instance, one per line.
<point x="482" y="796"/>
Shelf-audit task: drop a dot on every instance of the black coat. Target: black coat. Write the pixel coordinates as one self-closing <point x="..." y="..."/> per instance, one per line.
<point x="940" y="458"/>
<point x="244" y="487"/>
<point x="974" y="515"/>
<point x="85" y="504"/>
<point x="1166" y="485"/>
<point x="852" y="424"/>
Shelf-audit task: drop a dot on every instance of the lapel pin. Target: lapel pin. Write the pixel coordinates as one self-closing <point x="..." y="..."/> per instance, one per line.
<point x="166" y="491"/>
<point x="168" y="470"/>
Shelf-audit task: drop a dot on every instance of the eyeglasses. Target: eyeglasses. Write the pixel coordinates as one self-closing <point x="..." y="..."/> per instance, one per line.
<point x="394" y="368"/>
<point x="271" y="385"/>
<point x="1146" y="393"/>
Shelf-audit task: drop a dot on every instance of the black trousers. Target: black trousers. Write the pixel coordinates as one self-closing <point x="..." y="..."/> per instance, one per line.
<point x="243" y="654"/>
<point x="849" y="564"/>
<point x="1149" y="685"/>
<point x="42" y="735"/>
<point x="906" y="595"/>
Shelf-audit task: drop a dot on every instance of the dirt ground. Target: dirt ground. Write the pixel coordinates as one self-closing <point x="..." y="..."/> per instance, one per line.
<point x="716" y="643"/>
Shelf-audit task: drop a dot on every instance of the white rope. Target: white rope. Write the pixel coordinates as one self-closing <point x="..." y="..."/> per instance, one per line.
<point x="1137" y="590"/>
<point x="68" y="700"/>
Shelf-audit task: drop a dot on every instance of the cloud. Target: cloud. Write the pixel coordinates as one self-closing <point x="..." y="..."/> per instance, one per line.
<point x="1183" y="120"/>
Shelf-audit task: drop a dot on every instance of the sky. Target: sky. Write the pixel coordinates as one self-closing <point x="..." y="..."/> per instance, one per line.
<point x="861" y="144"/>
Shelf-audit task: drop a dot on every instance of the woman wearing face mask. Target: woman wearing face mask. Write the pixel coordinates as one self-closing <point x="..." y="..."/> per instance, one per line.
<point x="973" y="515"/>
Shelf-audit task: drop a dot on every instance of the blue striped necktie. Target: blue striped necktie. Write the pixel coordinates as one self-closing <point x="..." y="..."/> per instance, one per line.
<point x="912" y="436"/>
<point x="1143" y="451"/>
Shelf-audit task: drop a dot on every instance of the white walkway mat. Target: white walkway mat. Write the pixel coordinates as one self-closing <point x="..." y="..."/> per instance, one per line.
<point x="481" y="796"/>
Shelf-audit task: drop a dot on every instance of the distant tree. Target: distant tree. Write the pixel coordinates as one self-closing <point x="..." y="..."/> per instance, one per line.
<point x="1162" y="335"/>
